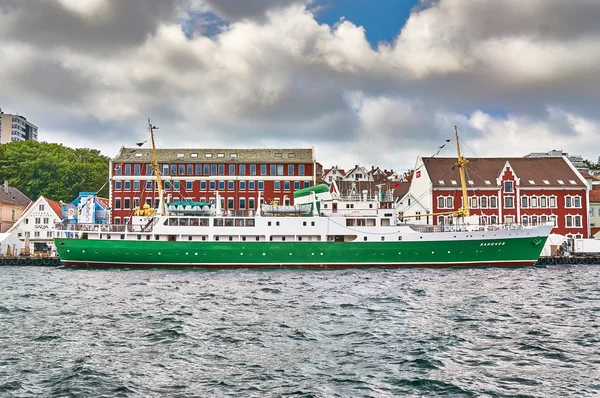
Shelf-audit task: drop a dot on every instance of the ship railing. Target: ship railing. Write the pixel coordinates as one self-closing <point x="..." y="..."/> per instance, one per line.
<point x="470" y="227"/>
<point x="366" y="198"/>
<point x="99" y="228"/>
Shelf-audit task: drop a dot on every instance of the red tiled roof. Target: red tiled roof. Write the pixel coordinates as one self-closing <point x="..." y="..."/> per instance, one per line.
<point x="594" y="230"/>
<point x="595" y="193"/>
<point x="56" y="207"/>
<point x="480" y="170"/>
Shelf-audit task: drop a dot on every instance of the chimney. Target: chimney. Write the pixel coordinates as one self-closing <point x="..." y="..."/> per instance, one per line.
<point x="5" y="186"/>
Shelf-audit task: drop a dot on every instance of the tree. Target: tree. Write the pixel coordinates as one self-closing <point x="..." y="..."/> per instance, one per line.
<point x="53" y="170"/>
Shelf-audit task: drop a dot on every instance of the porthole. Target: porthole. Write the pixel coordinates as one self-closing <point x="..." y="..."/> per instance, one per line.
<point x="222" y="253"/>
<point x="365" y="238"/>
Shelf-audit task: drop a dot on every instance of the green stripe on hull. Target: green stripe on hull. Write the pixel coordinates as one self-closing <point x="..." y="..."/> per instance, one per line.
<point x="253" y="254"/>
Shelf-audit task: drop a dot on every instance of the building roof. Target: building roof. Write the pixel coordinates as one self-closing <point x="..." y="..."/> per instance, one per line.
<point x="55" y="206"/>
<point x="595" y="193"/>
<point x="13" y="197"/>
<point x="279" y="155"/>
<point x="401" y="188"/>
<point x="533" y="172"/>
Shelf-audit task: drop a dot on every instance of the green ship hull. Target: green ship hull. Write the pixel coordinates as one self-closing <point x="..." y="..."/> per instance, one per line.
<point x="522" y="251"/>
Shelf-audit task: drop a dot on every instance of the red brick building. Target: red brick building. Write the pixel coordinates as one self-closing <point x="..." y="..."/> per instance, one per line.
<point x="196" y="174"/>
<point x="504" y="190"/>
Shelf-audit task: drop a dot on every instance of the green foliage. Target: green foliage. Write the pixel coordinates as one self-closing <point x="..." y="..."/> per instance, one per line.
<point x="53" y="170"/>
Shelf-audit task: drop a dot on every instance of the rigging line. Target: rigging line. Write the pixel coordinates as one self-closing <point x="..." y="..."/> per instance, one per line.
<point x="465" y="144"/>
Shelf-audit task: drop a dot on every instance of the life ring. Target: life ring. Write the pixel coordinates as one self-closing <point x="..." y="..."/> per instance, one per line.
<point x="543" y="261"/>
<point x="14" y="261"/>
<point x="550" y="260"/>
<point x="46" y="261"/>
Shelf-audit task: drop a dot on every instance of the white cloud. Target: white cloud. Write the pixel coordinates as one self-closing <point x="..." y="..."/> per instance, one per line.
<point x="273" y="76"/>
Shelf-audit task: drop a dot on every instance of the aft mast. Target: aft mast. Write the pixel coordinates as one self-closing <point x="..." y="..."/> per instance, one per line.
<point x="156" y="168"/>
<point x="461" y="162"/>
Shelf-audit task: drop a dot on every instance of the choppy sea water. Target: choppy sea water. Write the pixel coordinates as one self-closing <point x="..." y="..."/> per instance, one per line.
<point x="528" y="332"/>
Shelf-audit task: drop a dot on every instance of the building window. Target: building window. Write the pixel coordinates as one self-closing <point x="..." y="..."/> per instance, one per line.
<point x="286" y="185"/>
<point x="189" y="185"/>
<point x="212" y="185"/>
<point x="190" y="169"/>
<point x="167" y="184"/>
<point x="493" y="202"/>
<point x="127" y="169"/>
<point x="149" y="185"/>
<point x="543" y="202"/>
<point x="418" y="215"/>
<point x="213" y="169"/>
<point x="509" y="202"/>
<point x="230" y="203"/>
<point x="300" y="169"/>
<point x="568" y="201"/>
<point x="251" y="185"/>
<point x="174" y="169"/>
<point x="509" y="219"/>
<point x="221" y="169"/>
<point x="230" y="185"/>
<point x="279" y="169"/>
<point x="525" y="220"/>
<point x="203" y="185"/>
<point x="534" y="201"/>
<point x="524" y="202"/>
<point x="137" y="169"/>
<point x="277" y="185"/>
<point x="449" y="202"/>
<point x="273" y="170"/>
<point x="206" y="170"/>
<point x="242" y="185"/>
<point x="165" y="170"/>
<point x="251" y="203"/>
<point x="242" y="168"/>
<point x="136" y="185"/>
<point x="263" y="169"/>
<point x="552" y="201"/>
<point x="198" y="169"/>
<point x="221" y="185"/>
<point x="290" y="169"/>
<point x="176" y="185"/>
<point x="508" y="186"/>
<point x="493" y="220"/>
<point x="261" y="185"/>
<point x="474" y="202"/>
<point x="117" y="203"/>
<point x="296" y="185"/>
<point x="242" y="203"/>
<point x="577" y="201"/>
<point x="127" y="203"/>
<point x="306" y="184"/>
<point x="232" y="169"/>
<point x="441" y="202"/>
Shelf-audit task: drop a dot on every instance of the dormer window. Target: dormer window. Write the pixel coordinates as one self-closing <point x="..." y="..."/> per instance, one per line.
<point x="453" y="182"/>
<point x="180" y="155"/>
<point x="233" y="155"/>
<point x="546" y="182"/>
<point x="532" y="182"/>
<point x="572" y="182"/>
<point x="508" y="187"/>
<point x="220" y="155"/>
<point x="442" y="182"/>
<point x="487" y="182"/>
<point x="208" y="155"/>
<point x="561" y="182"/>
<point x="139" y="155"/>
<point x="278" y="155"/>
<point x="194" y="155"/>
<point x="471" y="182"/>
<point x="291" y="155"/>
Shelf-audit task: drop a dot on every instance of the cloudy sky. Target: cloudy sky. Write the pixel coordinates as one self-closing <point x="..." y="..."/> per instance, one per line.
<point x="375" y="82"/>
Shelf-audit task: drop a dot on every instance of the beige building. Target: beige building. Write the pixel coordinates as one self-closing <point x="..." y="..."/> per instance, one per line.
<point x="12" y="205"/>
<point x="16" y="128"/>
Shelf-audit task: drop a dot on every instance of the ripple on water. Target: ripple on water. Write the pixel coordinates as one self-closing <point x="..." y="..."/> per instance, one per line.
<point x="300" y="333"/>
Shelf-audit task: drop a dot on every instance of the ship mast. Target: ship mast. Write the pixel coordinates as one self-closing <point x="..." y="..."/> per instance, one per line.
<point x="161" y="202"/>
<point x="461" y="162"/>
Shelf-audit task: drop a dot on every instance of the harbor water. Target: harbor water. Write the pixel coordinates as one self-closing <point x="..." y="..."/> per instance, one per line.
<point x="527" y="332"/>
